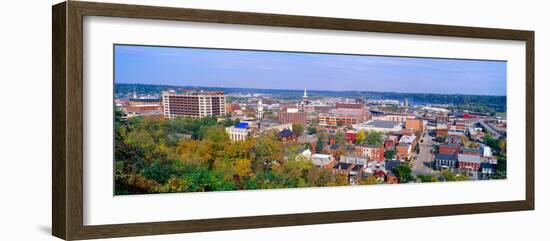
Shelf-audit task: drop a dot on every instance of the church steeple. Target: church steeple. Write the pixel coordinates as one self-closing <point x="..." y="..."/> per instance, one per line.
<point x="305" y="94"/>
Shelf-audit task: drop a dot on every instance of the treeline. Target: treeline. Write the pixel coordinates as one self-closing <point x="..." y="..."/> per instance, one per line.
<point x="481" y="103"/>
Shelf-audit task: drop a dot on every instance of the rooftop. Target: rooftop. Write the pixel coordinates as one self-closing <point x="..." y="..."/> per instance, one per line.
<point x="334" y="147"/>
<point x="470" y="150"/>
<point x="342" y="166"/>
<point x="450" y="145"/>
<point x="391" y="164"/>
<point x="286" y="133"/>
<point x="357" y="167"/>
<point x="242" y="125"/>
<point x="408" y="138"/>
<point x="488" y="165"/>
<point x="145" y="100"/>
<point x="193" y="92"/>
<point x="447" y="157"/>
<point x="370" y="146"/>
<point x="381" y="124"/>
<point x="347" y="112"/>
<point x="469" y="158"/>
<point x="321" y="156"/>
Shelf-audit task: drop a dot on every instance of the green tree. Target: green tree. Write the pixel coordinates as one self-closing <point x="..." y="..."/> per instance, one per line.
<point x="502" y="147"/>
<point x="216" y="134"/>
<point x="243" y="168"/>
<point x="451" y="177"/>
<point x="374" y="138"/>
<point x="228" y="122"/>
<point x="268" y="149"/>
<point x="321" y="142"/>
<point x="298" y="128"/>
<point x="118" y="114"/>
<point x="318" y="177"/>
<point x="403" y="172"/>
<point x="340" y="179"/>
<point x="370" y="180"/>
<point x="491" y="141"/>
<point x="426" y="178"/>
<point x="311" y="130"/>
<point x="389" y="154"/>
<point x="448" y="176"/>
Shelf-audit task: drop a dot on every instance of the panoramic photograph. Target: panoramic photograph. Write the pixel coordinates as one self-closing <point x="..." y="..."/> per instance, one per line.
<point x="203" y="119"/>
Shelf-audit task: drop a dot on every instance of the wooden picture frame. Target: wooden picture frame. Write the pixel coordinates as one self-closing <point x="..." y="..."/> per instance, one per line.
<point x="67" y="124"/>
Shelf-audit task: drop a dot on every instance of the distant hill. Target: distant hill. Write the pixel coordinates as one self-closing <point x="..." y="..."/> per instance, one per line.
<point x="484" y="103"/>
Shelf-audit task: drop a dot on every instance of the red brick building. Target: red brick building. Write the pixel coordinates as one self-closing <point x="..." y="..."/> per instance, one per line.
<point x="448" y="149"/>
<point x="293" y="116"/>
<point x="470" y="162"/>
<point x="416" y="125"/>
<point x="230" y="108"/>
<point x="375" y="153"/>
<point x="389" y="143"/>
<point x="351" y="136"/>
<point x="350" y="105"/>
<point x="403" y="151"/>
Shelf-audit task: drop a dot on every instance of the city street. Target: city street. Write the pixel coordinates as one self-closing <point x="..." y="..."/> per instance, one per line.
<point x="422" y="161"/>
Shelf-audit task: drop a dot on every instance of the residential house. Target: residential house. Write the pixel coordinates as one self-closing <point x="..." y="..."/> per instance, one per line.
<point x="288" y="135"/>
<point x="322" y="160"/>
<point x="408" y="139"/>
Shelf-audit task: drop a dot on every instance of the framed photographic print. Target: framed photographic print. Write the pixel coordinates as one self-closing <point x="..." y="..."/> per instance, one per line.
<point x="171" y="120"/>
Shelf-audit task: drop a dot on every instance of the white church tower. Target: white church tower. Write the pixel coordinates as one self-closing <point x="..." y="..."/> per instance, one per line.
<point x="260" y="113"/>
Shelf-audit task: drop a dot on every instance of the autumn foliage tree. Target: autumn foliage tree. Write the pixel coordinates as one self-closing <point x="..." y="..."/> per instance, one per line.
<point x="158" y="155"/>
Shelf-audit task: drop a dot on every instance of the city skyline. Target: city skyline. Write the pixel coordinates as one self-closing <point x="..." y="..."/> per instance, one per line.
<point x="179" y="66"/>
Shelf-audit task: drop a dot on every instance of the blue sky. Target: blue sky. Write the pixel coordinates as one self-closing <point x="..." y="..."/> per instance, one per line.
<point x="290" y="70"/>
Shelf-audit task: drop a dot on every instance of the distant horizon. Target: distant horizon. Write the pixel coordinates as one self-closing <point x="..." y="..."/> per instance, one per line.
<point x="308" y="90"/>
<point x="273" y="70"/>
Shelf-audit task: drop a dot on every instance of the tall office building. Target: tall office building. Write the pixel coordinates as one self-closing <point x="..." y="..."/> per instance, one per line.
<point x="193" y="104"/>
